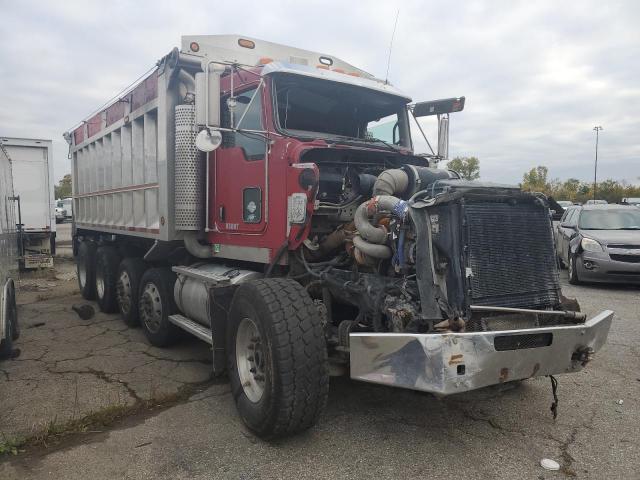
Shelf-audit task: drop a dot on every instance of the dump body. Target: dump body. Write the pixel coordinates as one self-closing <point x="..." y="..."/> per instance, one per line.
<point x="32" y="165"/>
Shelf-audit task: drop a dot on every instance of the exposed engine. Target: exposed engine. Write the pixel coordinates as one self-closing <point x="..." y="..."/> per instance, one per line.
<point x="418" y="249"/>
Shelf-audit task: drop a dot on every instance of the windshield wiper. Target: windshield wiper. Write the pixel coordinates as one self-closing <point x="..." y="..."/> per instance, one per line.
<point x="395" y="148"/>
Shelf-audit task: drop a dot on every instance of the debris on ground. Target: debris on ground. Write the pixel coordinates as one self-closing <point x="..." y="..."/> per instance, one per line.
<point x="549" y="464"/>
<point x="84" y="310"/>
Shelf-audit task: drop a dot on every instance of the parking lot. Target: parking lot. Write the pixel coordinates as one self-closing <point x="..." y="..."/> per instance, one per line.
<point x="94" y="400"/>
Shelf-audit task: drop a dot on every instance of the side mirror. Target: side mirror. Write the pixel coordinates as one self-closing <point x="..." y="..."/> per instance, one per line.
<point x="443" y="137"/>
<point x="566" y="225"/>
<point x="438" y="107"/>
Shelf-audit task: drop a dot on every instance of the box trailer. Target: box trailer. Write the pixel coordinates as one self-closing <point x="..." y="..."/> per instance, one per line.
<point x="267" y="199"/>
<point x="8" y="256"/>
<point x="33" y="184"/>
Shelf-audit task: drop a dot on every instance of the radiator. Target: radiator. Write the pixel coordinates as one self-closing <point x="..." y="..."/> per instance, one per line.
<point x="511" y="255"/>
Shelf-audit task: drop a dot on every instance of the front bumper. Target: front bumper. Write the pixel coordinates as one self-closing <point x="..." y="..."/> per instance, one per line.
<point x="457" y="362"/>
<point x="599" y="267"/>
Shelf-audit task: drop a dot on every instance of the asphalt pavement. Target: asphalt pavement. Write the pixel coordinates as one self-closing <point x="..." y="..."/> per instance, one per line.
<point x="366" y="432"/>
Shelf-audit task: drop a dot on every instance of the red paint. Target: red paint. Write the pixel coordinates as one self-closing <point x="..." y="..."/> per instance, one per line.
<point x="94" y="124"/>
<point x="78" y="135"/>
<point x="146" y="91"/>
<point x="115" y="112"/>
<point x="230" y="172"/>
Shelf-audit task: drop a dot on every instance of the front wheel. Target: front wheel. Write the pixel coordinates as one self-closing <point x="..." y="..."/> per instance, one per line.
<point x="277" y="357"/>
<point x="573" y="269"/>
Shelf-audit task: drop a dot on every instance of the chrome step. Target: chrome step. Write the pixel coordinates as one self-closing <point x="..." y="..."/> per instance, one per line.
<point x="200" y="331"/>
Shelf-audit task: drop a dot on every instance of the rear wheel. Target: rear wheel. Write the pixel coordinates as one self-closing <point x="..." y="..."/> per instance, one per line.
<point x="156" y="304"/>
<point x="573" y="270"/>
<point x="130" y="272"/>
<point x="107" y="261"/>
<point x="277" y="357"/>
<point x="11" y="331"/>
<point x="86" y="268"/>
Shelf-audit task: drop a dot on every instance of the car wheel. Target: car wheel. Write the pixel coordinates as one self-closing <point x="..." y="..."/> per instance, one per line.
<point x="277" y="357"/>
<point x="11" y="331"/>
<point x="573" y="270"/>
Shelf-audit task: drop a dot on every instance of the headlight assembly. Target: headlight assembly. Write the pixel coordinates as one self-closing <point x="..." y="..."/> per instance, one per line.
<point x="590" y="245"/>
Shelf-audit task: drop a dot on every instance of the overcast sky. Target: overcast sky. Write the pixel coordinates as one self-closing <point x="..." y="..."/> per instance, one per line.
<point x="538" y="75"/>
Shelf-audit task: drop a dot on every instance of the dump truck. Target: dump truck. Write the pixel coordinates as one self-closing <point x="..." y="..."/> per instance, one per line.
<point x="9" y="328"/>
<point x="267" y="200"/>
<point x="32" y="164"/>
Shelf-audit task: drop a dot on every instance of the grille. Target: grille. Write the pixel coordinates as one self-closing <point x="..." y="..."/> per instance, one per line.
<point x="516" y="342"/>
<point x="511" y="255"/>
<point x="188" y="172"/>
<point x="625" y="258"/>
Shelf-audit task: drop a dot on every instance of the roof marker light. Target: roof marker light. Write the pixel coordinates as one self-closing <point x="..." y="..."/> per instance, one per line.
<point x="265" y="60"/>
<point x="194" y="46"/>
<point x="243" y="42"/>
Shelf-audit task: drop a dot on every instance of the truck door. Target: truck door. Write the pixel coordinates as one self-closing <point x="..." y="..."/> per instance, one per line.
<point x="240" y="165"/>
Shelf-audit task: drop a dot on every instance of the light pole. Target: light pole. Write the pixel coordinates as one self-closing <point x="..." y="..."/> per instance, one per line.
<point x="595" y="170"/>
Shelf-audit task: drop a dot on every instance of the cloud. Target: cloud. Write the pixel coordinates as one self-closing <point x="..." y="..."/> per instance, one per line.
<point x="537" y="75"/>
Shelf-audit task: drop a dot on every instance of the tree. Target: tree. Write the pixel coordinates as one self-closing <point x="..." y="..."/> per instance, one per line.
<point x="467" y="167"/>
<point x="63" y="189"/>
<point x="535" y="180"/>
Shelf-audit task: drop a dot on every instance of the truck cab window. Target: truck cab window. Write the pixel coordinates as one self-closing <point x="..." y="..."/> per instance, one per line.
<point x="252" y="145"/>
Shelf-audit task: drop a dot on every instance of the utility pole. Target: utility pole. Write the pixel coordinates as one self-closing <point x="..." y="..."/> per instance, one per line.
<point x="595" y="171"/>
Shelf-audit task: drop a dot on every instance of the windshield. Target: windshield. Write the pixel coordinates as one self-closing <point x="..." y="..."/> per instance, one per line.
<point x="610" y="219"/>
<point x="331" y="109"/>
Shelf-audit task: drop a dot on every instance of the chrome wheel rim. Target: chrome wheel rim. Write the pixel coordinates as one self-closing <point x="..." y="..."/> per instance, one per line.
<point x="250" y="359"/>
<point x="570" y="265"/>
<point x="123" y="293"/>
<point x="151" y="307"/>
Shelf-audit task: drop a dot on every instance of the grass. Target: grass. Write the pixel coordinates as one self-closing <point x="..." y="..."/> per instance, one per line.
<point x="54" y="431"/>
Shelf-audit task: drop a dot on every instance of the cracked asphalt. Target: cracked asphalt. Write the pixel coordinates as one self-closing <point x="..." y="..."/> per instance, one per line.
<point x="69" y="367"/>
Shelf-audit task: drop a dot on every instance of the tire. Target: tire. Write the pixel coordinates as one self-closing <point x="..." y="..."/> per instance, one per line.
<point x="107" y="261"/>
<point x="11" y="332"/>
<point x="573" y="272"/>
<point x="86" y="268"/>
<point x="286" y="388"/>
<point x="155" y="304"/>
<point x="130" y="272"/>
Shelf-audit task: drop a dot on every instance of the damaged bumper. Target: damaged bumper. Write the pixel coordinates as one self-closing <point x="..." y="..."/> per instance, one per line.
<point x="457" y="362"/>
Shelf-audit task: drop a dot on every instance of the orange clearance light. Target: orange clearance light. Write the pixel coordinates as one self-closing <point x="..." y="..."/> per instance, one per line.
<point x="353" y="74"/>
<point x="194" y="46"/>
<point x="243" y="42"/>
<point x="338" y="70"/>
<point x="324" y="67"/>
<point x="265" y="60"/>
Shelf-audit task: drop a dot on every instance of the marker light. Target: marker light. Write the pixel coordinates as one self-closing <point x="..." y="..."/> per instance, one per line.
<point x="243" y="42"/>
<point x="194" y="46"/>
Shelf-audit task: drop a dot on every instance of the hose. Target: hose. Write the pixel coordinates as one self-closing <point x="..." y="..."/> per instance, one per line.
<point x="391" y="182"/>
<point x="371" y="249"/>
<point x="195" y="248"/>
<point x="381" y="203"/>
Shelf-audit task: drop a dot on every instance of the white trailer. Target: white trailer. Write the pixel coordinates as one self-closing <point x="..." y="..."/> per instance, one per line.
<point x="8" y="256"/>
<point x="32" y="165"/>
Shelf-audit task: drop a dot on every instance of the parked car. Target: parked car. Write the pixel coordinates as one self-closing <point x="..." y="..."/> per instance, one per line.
<point x="565" y="203"/>
<point x="600" y="243"/>
<point x="61" y="214"/>
<point x="596" y="202"/>
<point x="635" y="201"/>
